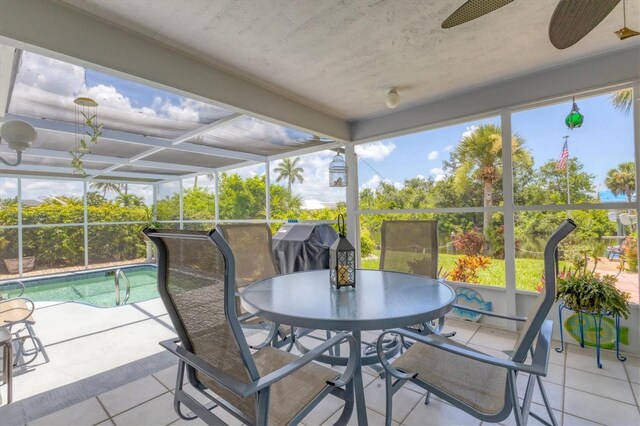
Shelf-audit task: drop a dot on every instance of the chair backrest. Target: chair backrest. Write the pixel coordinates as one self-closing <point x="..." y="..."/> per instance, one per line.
<point x="410" y="246"/>
<point x="539" y="311"/>
<point x="196" y="284"/>
<point x="251" y="247"/>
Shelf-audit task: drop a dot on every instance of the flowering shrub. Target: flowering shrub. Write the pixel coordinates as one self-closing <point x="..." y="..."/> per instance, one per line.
<point x="469" y="242"/>
<point x="630" y="254"/>
<point x="467" y="267"/>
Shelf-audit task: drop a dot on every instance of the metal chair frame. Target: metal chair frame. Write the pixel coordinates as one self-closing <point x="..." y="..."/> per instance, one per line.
<point x="24" y="333"/>
<point x="539" y="327"/>
<point x="275" y="337"/>
<point x="259" y="386"/>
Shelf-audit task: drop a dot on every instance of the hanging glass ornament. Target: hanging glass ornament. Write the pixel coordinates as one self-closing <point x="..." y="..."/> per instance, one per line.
<point x="574" y="119"/>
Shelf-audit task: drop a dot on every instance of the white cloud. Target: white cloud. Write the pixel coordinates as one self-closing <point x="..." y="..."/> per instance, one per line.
<point x="249" y="171"/>
<point x="433" y="155"/>
<point x="313" y="204"/>
<point x="46" y="87"/>
<point x="375" y="151"/>
<point x="8" y="188"/>
<point x="372" y="183"/>
<point x="438" y="173"/>
<point x="375" y="181"/>
<point x="448" y="148"/>
<point x="469" y="131"/>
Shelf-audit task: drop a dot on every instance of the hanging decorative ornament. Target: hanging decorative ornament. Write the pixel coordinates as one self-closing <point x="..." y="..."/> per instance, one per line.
<point x="338" y="172"/>
<point x="88" y="130"/>
<point x="574" y="119"/>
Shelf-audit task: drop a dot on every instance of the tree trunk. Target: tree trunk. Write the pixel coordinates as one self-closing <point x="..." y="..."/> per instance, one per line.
<point x="486" y="222"/>
<point x="289" y="186"/>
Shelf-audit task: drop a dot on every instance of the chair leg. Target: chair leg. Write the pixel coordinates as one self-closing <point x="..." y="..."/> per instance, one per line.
<point x="177" y="405"/>
<point x="528" y="396"/>
<point x="427" y="398"/>
<point x="347" y="411"/>
<point x="513" y="390"/>
<point x="262" y="412"/>
<point x="7" y="369"/>
<point x="552" y="417"/>
<point x="389" y="399"/>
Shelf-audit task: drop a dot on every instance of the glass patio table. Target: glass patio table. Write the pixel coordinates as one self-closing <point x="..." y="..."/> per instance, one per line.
<point x="381" y="300"/>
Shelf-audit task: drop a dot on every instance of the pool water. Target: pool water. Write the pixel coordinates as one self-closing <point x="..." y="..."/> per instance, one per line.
<point x="94" y="288"/>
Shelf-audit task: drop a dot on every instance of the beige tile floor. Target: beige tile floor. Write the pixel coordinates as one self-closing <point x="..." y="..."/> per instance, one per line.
<point x="580" y="393"/>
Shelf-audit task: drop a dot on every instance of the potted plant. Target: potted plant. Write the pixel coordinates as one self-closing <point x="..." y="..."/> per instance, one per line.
<point x="592" y="292"/>
<point x="584" y="290"/>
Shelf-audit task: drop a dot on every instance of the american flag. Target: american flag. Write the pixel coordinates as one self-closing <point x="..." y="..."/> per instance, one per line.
<point x="564" y="156"/>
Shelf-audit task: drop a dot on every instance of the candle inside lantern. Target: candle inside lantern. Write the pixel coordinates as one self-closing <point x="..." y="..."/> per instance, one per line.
<point x="343" y="274"/>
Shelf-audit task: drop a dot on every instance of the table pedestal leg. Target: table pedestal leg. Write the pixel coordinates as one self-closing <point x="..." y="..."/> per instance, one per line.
<point x="358" y="387"/>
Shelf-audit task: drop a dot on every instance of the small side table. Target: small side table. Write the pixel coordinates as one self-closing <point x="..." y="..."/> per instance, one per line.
<point x="7" y="361"/>
<point x="597" y="320"/>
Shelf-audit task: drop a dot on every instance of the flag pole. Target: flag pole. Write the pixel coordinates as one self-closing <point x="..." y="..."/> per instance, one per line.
<point x="566" y="141"/>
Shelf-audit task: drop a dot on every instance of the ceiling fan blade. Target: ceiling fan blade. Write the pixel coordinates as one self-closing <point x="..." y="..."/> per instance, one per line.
<point x="573" y="20"/>
<point x="471" y="10"/>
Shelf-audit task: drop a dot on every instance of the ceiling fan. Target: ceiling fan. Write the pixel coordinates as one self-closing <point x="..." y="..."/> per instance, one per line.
<point x="571" y="20"/>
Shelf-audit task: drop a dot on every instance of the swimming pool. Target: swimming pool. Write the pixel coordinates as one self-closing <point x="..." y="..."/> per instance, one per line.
<point x="92" y="287"/>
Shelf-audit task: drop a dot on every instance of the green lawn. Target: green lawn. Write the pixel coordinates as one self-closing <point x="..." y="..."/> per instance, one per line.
<point x="528" y="271"/>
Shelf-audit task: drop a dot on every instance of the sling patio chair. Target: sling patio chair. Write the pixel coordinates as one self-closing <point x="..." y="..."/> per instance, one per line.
<point x="16" y="316"/>
<point x="484" y="386"/>
<point x="251" y="246"/>
<point x="411" y="246"/>
<point x="196" y="282"/>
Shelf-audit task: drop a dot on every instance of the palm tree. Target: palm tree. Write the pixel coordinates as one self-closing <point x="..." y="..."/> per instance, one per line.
<point x="288" y="170"/>
<point x="622" y="179"/>
<point x="210" y="176"/>
<point x="107" y="187"/>
<point x="622" y="99"/>
<point x="480" y="157"/>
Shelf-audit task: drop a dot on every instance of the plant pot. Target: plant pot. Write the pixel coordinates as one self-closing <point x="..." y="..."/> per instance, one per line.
<point x="28" y="264"/>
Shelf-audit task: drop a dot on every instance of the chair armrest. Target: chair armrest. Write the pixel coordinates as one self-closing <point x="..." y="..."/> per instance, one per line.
<point x="244" y="389"/>
<point x="15" y="281"/>
<point x="21" y="320"/>
<point x="234" y="385"/>
<point x="445" y="346"/>
<point x="491" y="314"/>
<point x="283" y="372"/>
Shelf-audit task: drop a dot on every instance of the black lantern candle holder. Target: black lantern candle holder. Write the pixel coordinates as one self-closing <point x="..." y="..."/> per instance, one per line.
<point x="342" y="259"/>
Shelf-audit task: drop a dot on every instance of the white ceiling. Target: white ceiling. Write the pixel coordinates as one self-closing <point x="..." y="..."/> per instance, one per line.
<point x="341" y="56"/>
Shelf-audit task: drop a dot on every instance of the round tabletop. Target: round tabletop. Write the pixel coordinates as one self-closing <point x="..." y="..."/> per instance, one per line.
<point x="381" y="300"/>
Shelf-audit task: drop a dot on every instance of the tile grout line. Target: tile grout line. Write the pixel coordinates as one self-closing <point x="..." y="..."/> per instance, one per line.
<point x="626" y="372"/>
<point x="162" y="384"/>
<point x="105" y="411"/>
<point x="135" y="406"/>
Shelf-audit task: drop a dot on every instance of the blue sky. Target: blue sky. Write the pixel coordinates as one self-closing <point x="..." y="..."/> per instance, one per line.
<point x="604" y="140"/>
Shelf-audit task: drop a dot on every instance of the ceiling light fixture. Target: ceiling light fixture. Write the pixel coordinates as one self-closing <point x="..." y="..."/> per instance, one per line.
<point x="393" y="98"/>
<point x="18" y="134"/>
<point x="625" y="32"/>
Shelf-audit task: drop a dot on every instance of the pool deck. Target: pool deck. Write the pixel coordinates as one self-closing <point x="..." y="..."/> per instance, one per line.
<point x="91" y="351"/>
